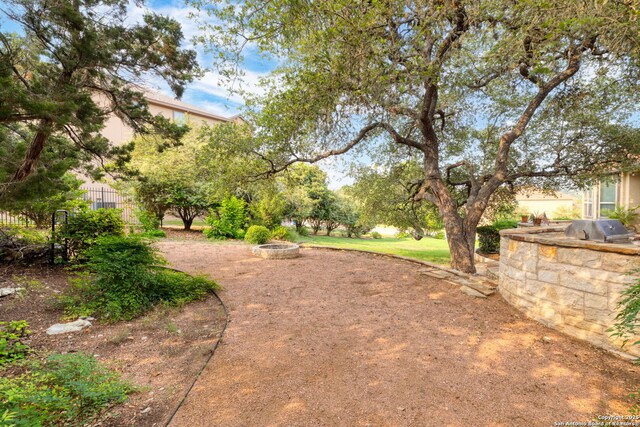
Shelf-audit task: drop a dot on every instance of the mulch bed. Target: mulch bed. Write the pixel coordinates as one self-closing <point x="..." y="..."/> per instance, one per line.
<point x="161" y="352"/>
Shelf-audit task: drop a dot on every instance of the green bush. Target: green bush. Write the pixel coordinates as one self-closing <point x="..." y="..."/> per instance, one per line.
<point x="154" y="233"/>
<point x="66" y="389"/>
<point x="627" y="217"/>
<point x="84" y="227"/>
<point x="489" y="239"/>
<point x="489" y="235"/>
<point x="505" y="224"/>
<point x="303" y="231"/>
<point x="121" y="281"/>
<point x="440" y="235"/>
<point x="627" y="324"/>
<point x="257" y="234"/>
<point x="628" y="317"/>
<point x="280" y="233"/>
<point x="148" y="220"/>
<point x="375" y="235"/>
<point x="11" y="335"/>
<point x="229" y="222"/>
<point x="293" y="235"/>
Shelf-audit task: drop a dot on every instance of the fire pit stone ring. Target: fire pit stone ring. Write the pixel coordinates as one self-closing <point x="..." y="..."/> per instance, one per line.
<point x="277" y="251"/>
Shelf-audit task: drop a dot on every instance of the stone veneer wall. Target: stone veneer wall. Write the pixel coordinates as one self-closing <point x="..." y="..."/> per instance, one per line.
<point x="572" y="286"/>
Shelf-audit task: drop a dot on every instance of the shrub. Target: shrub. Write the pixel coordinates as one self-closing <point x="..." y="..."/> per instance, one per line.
<point x="440" y="235"/>
<point x="303" y="231"/>
<point x="627" y="324"/>
<point x="489" y="239"/>
<point x="84" y="227"/>
<point x="628" y="317"/>
<point x="375" y="235"/>
<point x="293" y="236"/>
<point x="148" y="220"/>
<point x="269" y="210"/>
<point x="229" y="222"/>
<point x="505" y="224"/>
<point x="280" y="233"/>
<point x="402" y="235"/>
<point x="154" y="233"/>
<point x="121" y="281"/>
<point x="627" y="217"/>
<point x="66" y="389"/>
<point x="11" y="336"/>
<point x="257" y="234"/>
<point x="489" y="235"/>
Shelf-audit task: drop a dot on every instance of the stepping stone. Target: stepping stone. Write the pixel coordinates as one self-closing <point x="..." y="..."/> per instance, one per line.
<point x="63" y="328"/>
<point x="493" y="273"/>
<point x="478" y="286"/>
<point x="9" y="291"/>
<point x="438" y="274"/>
<point x="471" y="292"/>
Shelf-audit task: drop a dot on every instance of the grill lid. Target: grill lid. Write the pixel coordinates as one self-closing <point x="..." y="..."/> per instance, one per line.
<point x="601" y="230"/>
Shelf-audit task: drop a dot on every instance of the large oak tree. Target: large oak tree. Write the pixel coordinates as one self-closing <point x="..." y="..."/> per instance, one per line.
<point x="483" y="93"/>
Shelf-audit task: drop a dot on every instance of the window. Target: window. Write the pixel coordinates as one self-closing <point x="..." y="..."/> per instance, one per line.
<point x="178" y="116"/>
<point x="607" y="197"/>
<point x="106" y="205"/>
<point x="588" y="203"/>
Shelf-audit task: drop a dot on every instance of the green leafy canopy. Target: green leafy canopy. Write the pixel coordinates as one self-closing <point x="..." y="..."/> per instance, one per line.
<point x="74" y="65"/>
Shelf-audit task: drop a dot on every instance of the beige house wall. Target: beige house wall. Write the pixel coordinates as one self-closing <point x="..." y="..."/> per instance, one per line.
<point x="548" y="204"/>
<point x="627" y="194"/>
<point x="119" y="133"/>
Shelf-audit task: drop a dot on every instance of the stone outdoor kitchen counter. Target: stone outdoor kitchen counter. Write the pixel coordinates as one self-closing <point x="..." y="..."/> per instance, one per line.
<point x="570" y="285"/>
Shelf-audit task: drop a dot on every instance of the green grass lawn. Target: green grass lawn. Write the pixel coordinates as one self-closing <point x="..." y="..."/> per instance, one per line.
<point x="427" y="249"/>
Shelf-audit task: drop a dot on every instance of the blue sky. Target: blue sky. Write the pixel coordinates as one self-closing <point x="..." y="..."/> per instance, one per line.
<point x="206" y="92"/>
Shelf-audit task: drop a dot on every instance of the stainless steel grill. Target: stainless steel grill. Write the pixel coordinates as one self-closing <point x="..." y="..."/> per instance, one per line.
<point x="600" y="230"/>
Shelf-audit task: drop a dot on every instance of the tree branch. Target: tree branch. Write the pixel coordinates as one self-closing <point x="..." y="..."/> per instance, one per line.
<point x="358" y="139"/>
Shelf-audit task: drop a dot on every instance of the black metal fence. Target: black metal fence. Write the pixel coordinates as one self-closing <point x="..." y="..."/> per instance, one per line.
<point x="98" y="197"/>
<point x="108" y="198"/>
<point x="7" y="219"/>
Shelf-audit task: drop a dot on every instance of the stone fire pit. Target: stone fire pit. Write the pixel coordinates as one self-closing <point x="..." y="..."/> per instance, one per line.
<point x="277" y="251"/>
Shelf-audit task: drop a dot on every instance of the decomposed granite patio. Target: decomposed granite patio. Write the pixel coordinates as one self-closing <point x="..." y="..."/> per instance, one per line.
<point x="338" y="338"/>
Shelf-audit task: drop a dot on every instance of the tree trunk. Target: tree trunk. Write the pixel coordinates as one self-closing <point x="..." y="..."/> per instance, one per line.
<point x="461" y="231"/>
<point x="187" y="223"/>
<point x="32" y="155"/>
<point x="461" y="254"/>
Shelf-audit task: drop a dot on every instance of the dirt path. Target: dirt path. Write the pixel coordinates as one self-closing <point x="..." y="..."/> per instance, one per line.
<point x="347" y="339"/>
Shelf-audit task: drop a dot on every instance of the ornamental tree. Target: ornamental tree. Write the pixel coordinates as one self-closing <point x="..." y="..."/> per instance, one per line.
<point x="481" y="93"/>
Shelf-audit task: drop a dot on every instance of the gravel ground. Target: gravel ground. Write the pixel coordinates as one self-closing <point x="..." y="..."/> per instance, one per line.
<point x="348" y="339"/>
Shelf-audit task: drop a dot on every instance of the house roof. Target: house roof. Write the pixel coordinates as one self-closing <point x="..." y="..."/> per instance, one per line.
<point x="158" y="98"/>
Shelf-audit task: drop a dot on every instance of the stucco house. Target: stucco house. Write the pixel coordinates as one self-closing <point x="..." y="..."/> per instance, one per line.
<point x="101" y="194"/>
<point x="623" y="190"/>
<point x="554" y="205"/>
<point x="118" y="133"/>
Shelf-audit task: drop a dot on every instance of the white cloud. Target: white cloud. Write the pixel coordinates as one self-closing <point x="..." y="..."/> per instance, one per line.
<point x="209" y="91"/>
<point x="212" y="83"/>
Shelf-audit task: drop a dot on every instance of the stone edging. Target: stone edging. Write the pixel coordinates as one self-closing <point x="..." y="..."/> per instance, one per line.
<point x="475" y="285"/>
<point x="404" y="258"/>
<point x="227" y="319"/>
